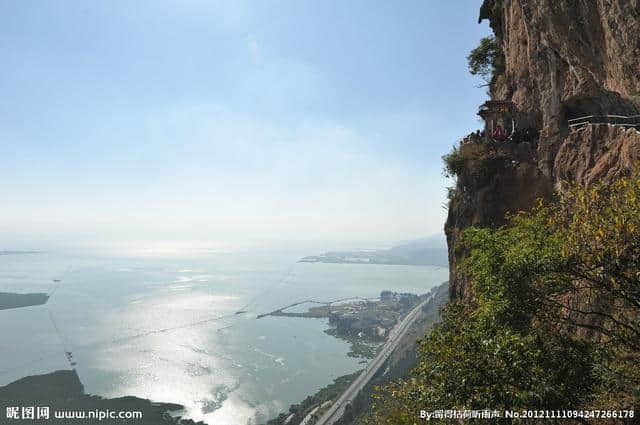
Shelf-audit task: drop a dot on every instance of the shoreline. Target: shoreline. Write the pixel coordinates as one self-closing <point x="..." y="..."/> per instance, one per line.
<point x="62" y="391"/>
<point x="311" y="406"/>
<point x="364" y="323"/>
<point x="399" y="363"/>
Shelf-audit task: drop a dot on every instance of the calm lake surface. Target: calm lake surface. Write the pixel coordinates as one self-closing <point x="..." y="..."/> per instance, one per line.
<point x="167" y="328"/>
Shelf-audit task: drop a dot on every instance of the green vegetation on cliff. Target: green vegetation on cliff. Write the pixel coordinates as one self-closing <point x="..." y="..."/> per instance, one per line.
<point x="552" y="320"/>
<point x="486" y="60"/>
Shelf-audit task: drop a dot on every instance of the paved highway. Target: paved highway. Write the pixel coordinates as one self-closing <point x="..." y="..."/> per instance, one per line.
<point x="336" y="410"/>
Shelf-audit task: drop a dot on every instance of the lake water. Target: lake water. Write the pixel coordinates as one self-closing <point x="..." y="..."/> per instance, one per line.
<point x="167" y="328"/>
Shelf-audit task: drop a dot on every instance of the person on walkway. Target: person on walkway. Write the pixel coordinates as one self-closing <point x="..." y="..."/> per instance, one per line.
<point x="498" y="133"/>
<point x="476" y="137"/>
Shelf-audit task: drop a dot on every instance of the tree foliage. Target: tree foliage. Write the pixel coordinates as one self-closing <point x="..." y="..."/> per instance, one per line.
<point x="453" y="163"/>
<point x="553" y="319"/>
<point x="486" y="60"/>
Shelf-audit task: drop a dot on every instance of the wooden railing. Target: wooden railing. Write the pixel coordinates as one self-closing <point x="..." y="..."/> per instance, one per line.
<point x="632" y="121"/>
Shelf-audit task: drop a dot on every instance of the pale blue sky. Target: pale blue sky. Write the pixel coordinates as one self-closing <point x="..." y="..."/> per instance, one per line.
<point x="230" y="121"/>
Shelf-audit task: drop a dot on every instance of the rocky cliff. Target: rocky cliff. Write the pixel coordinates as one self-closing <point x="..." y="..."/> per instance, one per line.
<point x="563" y="59"/>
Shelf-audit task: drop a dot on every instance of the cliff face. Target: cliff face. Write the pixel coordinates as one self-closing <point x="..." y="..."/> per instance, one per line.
<point x="596" y="153"/>
<point x="563" y="59"/>
<point x="495" y="180"/>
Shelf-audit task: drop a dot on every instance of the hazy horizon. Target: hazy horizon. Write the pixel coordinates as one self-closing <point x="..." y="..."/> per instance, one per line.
<point x="230" y="123"/>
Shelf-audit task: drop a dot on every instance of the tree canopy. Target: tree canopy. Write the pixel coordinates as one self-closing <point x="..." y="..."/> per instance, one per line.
<point x="486" y="60"/>
<point x="554" y="316"/>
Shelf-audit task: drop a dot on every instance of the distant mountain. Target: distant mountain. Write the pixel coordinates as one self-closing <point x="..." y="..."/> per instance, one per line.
<point x="9" y="252"/>
<point x="420" y="252"/>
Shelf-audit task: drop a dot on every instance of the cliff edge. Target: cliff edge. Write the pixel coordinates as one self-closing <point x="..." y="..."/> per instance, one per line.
<point x="563" y="60"/>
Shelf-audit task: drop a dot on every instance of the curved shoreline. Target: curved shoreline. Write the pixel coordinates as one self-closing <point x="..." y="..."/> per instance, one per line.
<point x="62" y="391"/>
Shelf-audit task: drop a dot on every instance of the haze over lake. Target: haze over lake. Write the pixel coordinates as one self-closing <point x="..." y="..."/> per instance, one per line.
<point x="166" y="328"/>
<point x="226" y="139"/>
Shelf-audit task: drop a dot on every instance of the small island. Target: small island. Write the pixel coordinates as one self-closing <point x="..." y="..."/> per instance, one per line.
<point x="9" y="300"/>
<point x="14" y="252"/>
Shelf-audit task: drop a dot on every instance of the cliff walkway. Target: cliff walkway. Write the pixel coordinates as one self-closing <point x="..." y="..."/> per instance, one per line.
<point x="632" y="121"/>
